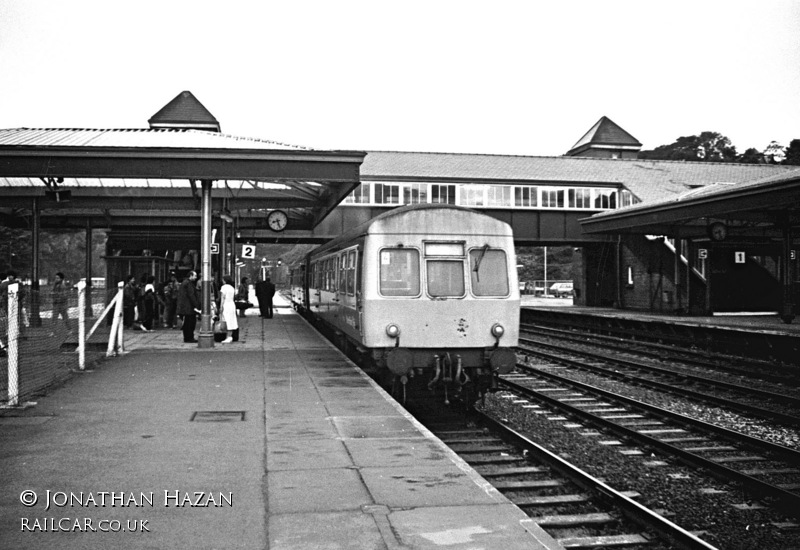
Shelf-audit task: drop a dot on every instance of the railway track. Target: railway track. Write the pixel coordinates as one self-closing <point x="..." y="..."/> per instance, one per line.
<point x="766" y="347"/>
<point x="699" y="359"/>
<point x="772" y="404"/>
<point x="572" y="507"/>
<point x="766" y="469"/>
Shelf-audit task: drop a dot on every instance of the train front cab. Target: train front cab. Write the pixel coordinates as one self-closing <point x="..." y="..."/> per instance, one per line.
<point x="446" y="306"/>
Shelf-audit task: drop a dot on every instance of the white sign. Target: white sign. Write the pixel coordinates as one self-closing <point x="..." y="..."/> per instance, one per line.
<point x="702" y="253"/>
<point x="793" y="254"/>
<point x="214" y="248"/>
<point x="248" y="251"/>
<point x="739" y="257"/>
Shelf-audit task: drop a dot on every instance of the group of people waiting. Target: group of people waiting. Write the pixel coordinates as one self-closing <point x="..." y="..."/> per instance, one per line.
<point x="144" y="303"/>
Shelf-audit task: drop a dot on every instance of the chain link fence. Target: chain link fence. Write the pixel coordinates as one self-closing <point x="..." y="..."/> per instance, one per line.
<point x="39" y="338"/>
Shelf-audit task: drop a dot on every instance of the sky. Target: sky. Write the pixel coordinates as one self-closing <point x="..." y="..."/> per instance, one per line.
<point x="502" y="77"/>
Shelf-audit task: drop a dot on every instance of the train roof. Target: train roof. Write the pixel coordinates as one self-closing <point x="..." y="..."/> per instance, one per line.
<point x="363" y="229"/>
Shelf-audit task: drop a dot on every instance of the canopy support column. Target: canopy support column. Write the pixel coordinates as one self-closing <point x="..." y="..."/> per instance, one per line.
<point x="89" y="247"/>
<point x="787" y="280"/>
<point x="205" y="338"/>
<point x="35" y="317"/>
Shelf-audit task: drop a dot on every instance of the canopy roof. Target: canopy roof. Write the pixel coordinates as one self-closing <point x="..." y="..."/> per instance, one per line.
<point x="760" y="208"/>
<point x="131" y="177"/>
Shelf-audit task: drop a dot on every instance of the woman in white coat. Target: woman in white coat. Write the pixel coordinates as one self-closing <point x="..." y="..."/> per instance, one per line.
<point x="227" y="308"/>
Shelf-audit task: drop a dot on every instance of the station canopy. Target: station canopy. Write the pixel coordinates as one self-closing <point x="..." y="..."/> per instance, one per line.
<point x="762" y="208"/>
<point x="147" y="182"/>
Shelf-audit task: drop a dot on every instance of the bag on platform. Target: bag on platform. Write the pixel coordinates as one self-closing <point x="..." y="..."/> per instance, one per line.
<point x="220" y="330"/>
<point x="220" y="327"/>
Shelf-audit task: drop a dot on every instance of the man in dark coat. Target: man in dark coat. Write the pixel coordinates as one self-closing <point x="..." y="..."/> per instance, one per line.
<point x="129" y="292"/>
<point x="265" y="290"/>
<point x="189" y="306"/>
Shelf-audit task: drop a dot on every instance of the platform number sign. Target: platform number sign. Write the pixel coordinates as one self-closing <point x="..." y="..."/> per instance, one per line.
<point x="215" y="248"/>
<point x="249" y="251"/>
<point x="702" y="253"/>
<point x="793" y="254"/>
<point x="738" y="257"/>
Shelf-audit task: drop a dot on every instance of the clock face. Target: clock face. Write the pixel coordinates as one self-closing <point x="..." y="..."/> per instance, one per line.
<point x="277" y="220"/>
<point x="718" y="231"/>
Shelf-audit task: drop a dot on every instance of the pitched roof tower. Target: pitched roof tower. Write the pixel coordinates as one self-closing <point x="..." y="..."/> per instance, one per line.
<point x="606" y="140"/>
<point x="185" y="112"/>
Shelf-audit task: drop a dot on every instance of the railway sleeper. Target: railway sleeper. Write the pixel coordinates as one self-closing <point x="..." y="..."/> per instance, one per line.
<point x="477" y="448"/>
<point x="527" y="484"/>
<point x="606" y="541"/>
<point x="569" y="520"/>
<point x="513" y="471"/>
<point x="552" y="500"/>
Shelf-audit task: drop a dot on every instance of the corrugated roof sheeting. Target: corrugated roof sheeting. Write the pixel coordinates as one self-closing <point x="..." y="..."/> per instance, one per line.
<point x="178" y="138"/>
<point x="789" y="177"/>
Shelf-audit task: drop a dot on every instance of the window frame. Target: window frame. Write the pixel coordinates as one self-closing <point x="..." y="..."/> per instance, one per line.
<point x="506" y="270"/>
<point x="419" y="273"/>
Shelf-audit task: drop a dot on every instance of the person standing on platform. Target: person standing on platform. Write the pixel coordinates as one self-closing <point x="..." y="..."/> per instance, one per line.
<point x="129" y="302"/>
<point x="243" y="296"/>
<point x="60" y="300"/>
<point x="227" y="309"/>
<point x="189" y="306"/>
<point x="265" y="291"/>
<point x="171" y="300"/>
<point x="149" y="303"/>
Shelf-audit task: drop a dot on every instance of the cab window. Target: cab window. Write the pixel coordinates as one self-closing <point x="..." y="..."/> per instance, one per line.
<point x="488" y="272"/>
<point x="445" y="278"/>
<point x="399" y="272"/>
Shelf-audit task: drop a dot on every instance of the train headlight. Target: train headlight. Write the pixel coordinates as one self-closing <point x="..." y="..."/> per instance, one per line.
<point x="498" y="330"/>
<point x="392" y="330"/>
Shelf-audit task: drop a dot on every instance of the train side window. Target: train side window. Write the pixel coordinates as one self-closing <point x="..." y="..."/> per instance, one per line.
<point x="343" y="273"/>
<point x="351" y="273"/>
<point x="445" y="278"/>
<point x="488" y="272"/>
<point x="399" y="272"/>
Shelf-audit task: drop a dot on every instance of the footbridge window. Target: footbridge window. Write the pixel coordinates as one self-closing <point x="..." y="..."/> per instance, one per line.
<point x="492" y="196"/>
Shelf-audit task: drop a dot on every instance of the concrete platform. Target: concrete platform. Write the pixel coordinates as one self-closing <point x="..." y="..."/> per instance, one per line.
<point x="277" y="442"/>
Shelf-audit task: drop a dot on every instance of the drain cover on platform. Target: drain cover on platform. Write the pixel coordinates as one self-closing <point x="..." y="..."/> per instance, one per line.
<point x="217" y="416"/>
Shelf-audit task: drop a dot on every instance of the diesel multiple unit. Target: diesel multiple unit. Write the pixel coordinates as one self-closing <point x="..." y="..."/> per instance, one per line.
<point x="421" y="287"/>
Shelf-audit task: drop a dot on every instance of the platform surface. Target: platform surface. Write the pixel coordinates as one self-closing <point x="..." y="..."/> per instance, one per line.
<point x="276" y="442"/>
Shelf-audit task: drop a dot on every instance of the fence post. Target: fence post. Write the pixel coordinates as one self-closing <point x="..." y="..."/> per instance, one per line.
<point x="81" y="325"/>
<point x="116" y="324"/>
<point x="13" y="344"/>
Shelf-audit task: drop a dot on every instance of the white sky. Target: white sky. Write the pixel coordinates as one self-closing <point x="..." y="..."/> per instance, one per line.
<point x="522" y="78"/>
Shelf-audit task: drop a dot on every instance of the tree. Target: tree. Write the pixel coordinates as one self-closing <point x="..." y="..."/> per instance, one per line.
<point x="707" y="147"/>
<point x="752" y="156"/>
<point x="792" y="153"/>
<point x="58" y="251"/>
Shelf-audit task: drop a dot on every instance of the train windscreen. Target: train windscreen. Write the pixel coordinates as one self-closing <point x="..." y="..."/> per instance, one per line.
<point x="489" y="272"/>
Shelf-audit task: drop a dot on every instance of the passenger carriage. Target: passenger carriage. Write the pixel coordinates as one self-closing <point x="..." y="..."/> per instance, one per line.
<point x="431" y="287"/>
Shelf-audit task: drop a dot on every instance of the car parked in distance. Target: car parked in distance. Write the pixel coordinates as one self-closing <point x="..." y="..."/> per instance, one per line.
<point x="561" y="290"/>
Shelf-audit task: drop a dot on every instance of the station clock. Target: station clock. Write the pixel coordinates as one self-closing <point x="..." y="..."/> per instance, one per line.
<point x="717" y="231"/>
<point x="277" y="220"/>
